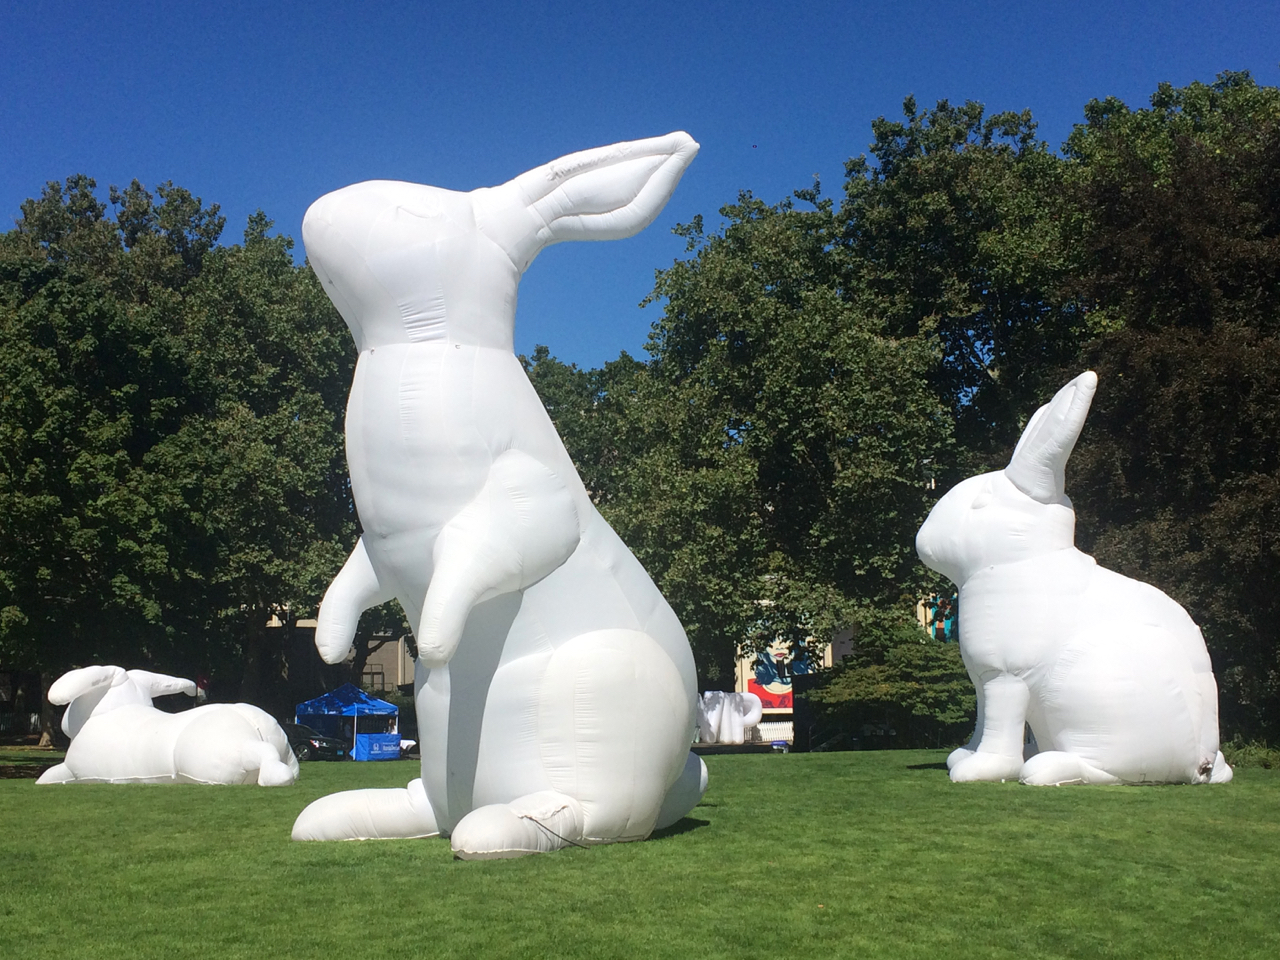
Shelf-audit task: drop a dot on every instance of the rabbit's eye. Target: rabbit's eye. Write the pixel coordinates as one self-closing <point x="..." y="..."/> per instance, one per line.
<point x="981" y="500"/>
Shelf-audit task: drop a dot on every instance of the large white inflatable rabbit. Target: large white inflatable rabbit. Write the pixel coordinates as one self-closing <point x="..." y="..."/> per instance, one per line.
<point x="555" y="687"/>
<point x="1111" y="674"/>
<point x="117" y="736"/>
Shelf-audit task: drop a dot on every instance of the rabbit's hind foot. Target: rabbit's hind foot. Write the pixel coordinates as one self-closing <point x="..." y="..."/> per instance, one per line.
<point x="399" y="814"/>
<point x="958" y="754"/>
<point x="1056" y="768"/>
<point x="536" y="823"/>
<point x="62" y="774"/>
<point x="263" y="765"/>
<point x="685" y="794"/>
<point x="274" y="772"/>
<point x="1222" y="772"/>
<point x="987" y="767"/>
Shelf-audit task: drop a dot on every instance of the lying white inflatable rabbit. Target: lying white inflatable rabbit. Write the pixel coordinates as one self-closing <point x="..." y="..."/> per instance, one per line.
<point x="555" y="687"/>
<point x="117" y="736"/>
<point x="1111" y="675"/>
<point x="726" y="717"/>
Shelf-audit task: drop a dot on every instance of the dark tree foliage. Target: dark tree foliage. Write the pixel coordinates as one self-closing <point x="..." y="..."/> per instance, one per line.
<point x="1175" y="479"/>
<point x="171" y="466"/>
<point x="955" y="233"/>
<point x="592" y="411"/>
<point x="900" y="684"/>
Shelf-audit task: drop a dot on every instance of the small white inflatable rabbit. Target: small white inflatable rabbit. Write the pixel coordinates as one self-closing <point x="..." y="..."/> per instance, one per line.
<point x="555" y="687"/>
<point x="117" y="736"/>
<point x="1111" y="674"/>
<point x="726" y="717"/>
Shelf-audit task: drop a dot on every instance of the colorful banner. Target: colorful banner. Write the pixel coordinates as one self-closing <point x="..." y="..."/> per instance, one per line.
<point x="772" y="672"/>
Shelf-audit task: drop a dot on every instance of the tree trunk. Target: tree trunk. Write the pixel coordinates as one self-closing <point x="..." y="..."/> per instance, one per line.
<point x="253" y="679"/>
<point x="46" y="712"/>
<point x="363" y="647"/>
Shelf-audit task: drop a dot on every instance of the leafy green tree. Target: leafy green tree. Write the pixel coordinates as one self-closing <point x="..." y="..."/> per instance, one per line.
<point x="766" y="464"/>
<point x="1177" y="474"/>
<point x="592" y="410"/>
<point x="902" y="679"/>
<point x="171" y="464"/>
<point x="1148" y="251"/>
<point x="91" y="381"/>
<point x="956" y="233"/>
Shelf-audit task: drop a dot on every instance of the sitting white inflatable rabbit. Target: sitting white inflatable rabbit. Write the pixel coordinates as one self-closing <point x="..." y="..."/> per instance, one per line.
<point x="117" y="736"/>
<point x="726" y="717"/>
<point x="555" y="687"/>
<point x="1111" y="674"/>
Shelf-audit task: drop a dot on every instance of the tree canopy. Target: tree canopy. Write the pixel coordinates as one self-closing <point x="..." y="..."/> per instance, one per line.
<point x="171" y="464"/>
<point x="819" y="370"/>
<point x="1175" y="478"/>
<point x="766" y="462"/>
<point x="773" y="445"/>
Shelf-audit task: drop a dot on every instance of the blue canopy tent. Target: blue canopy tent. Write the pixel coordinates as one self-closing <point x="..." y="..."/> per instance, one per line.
<point x="370" y="725"/>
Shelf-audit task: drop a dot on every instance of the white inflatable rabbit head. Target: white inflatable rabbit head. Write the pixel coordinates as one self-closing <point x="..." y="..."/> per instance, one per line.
<point x="1019" y="512"/>
<point x="91" y="691"/>
<point x="408" y="263"/>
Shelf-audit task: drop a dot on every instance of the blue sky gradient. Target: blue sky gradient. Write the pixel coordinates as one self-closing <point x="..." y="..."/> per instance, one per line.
<point x="269" y="105"/>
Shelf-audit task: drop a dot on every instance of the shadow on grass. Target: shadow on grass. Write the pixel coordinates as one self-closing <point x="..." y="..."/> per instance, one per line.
<point x="926" y="766"/>
<point x="684" y="825"/>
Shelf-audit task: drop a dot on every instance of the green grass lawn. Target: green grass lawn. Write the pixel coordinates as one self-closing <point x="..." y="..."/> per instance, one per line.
<point x="819" y="855"/>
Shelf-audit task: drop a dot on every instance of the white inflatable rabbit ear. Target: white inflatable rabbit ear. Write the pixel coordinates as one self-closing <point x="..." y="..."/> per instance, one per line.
<point x="603" y="194"/>
<point x="1039" y="462"/>
<point x="76" y="683"/>
<point x="159" y="684"/>
<point x="83" y="690"/>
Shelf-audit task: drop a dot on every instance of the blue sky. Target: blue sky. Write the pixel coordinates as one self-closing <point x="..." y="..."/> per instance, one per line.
<point x="269" y="105"/>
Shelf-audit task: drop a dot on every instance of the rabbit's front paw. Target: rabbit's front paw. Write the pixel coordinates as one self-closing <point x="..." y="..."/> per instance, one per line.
<point x="990" y="767"/>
